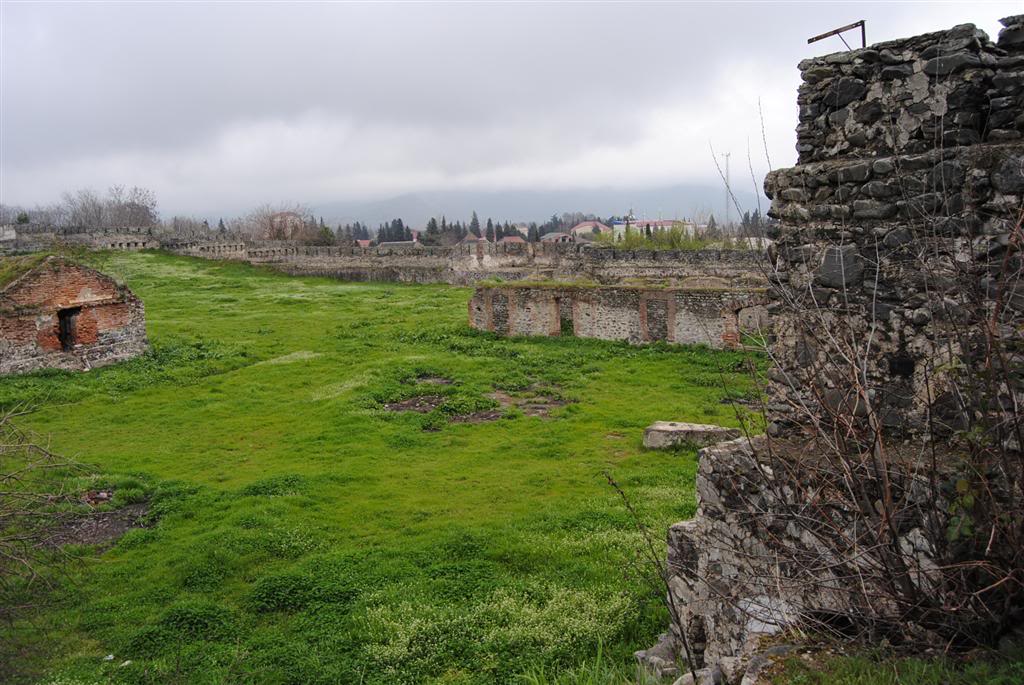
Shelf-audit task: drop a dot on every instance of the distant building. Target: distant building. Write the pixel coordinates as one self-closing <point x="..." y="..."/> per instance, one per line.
<point x="470" y="238"/>
<point x="512" y="239"/>
<point x="61" y="315"/>
<point x="588" y="228"/>
<point x="556" y="237"/>
<point x="363" y="243"/>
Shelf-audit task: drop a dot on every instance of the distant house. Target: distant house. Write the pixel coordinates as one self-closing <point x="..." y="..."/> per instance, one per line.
<point x="512" y="239"/>
<point x="472" y="239"/>
<point x="363" y="243"/>
<point x="556" y="237"/>
<point x="57" y="314"/>
<point x="588" y="228"/>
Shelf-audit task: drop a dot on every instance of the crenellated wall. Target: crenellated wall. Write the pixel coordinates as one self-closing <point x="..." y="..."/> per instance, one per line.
<point x="463" y="264"/>
<point x="468" y="264"/>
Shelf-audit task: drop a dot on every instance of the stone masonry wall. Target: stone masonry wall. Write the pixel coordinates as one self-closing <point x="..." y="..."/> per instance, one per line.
<point x="468" y="264"/>
<point x="909" y="186"/>
<point x="935" y="177"/>
<point x="635" y="315"/>
<point x="457" y="265"/>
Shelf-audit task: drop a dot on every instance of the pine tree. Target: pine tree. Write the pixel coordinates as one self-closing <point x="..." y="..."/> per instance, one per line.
<point x="489" y="233"/>
<point x="474" y="225"/>
<point x="221" y="228"/>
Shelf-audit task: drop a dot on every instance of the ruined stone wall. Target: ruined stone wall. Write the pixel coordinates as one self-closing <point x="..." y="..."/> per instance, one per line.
<point x="909" y="186"/>
<point x="109" y="326"/>
<point x="911" y="179"/>
<point x="635" y="315"/>
<point x="470" y="263"/>
<point x="464" y="264"/>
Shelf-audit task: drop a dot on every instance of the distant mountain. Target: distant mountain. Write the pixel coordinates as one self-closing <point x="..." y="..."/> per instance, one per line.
<point x="538" y="205"/>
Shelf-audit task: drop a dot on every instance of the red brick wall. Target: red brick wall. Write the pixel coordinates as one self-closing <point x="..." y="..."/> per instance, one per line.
<point x="110" y="325"/>
<point x="57" y="286"/>
<point x="20" y="330"/>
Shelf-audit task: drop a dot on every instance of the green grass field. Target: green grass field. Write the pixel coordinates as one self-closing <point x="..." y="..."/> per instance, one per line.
<point x="303" y="533"/>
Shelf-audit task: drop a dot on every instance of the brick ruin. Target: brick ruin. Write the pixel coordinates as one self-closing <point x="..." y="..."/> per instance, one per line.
<point x="905" y="201"/>
<point x="58" y="314"/>
<point x="713" y="317"/>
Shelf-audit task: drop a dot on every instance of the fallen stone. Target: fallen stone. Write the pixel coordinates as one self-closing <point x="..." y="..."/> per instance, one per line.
<point x="705" y="676"/>
<point x="659" y="660"/>
<point x="666" y="434"/>
<point x="754" y="669"/>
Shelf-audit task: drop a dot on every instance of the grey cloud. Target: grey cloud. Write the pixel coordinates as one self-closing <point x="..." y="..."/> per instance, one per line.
<point x="226" y="105"/>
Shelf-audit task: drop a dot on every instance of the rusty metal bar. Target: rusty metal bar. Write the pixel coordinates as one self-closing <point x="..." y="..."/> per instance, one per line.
<point x="842" y="29"/>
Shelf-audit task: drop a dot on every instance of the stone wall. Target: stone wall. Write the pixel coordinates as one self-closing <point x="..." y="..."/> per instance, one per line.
<point x="892" y="221"/>
<point x="908" y="96"/>
<point x="464" y="264"/>
<point x="470" y="263"/>
<point x="637" y="315"/>
<point x="902" y="208"/>
<point x="108" y="320"/>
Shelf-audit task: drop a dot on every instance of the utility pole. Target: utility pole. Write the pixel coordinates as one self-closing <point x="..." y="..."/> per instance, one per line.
<point x="728" y="190"/>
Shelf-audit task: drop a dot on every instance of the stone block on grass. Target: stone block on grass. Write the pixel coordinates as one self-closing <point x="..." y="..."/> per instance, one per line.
<point x="667" y="434"/>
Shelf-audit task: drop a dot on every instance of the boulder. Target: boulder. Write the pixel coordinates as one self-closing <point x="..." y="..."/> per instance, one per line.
<point x="666" y="434"/>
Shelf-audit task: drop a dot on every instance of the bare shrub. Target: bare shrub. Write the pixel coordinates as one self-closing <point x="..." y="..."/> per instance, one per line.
<point x="35" y="504"/>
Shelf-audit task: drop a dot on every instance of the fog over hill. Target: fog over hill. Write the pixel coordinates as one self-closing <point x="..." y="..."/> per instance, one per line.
<point x="669" y="202"/>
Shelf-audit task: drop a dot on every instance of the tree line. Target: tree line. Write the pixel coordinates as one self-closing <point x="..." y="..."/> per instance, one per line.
<point x="136" y="207"/>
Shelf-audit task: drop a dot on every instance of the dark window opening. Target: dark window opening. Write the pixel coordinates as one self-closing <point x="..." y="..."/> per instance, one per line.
<point x="67" y="321"/>
<point x="564" y="308"/>
<point x="901" y="365"/>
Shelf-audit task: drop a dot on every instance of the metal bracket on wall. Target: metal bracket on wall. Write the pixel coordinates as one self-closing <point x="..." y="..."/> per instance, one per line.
<point x="842" y="29"/>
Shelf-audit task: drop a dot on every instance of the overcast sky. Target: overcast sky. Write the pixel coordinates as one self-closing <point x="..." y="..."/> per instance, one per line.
<point x="221" y="106"/>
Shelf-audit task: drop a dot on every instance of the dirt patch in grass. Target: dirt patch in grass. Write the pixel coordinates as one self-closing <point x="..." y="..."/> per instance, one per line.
<point x="535" y="403"/>
<point x="424" y="404"/>
<point x="434" y="380"/>
<point x="98" y="527"/>
<point x="479" y="416"/>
